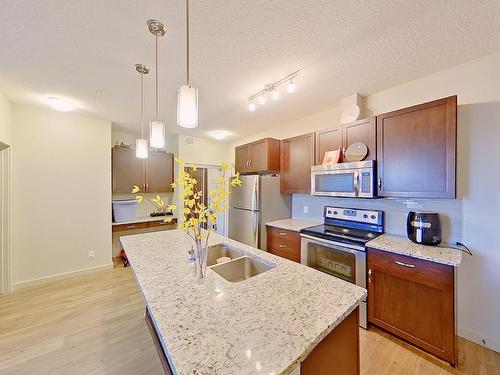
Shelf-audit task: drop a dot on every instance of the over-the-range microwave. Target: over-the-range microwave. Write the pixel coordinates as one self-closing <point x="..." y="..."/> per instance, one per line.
<point x="354" y="180"/>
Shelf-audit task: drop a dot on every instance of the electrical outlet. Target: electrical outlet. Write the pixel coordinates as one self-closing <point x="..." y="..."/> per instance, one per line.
<point x="306" y="209"/>
<point x="91" y="254"/>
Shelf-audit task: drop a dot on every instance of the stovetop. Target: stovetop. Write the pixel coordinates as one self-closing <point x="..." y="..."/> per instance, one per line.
<point x="340" y="234"/>
<point x="348" y="225"/>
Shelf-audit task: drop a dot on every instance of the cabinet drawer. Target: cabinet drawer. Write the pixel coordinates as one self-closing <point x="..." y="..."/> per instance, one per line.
<point x="417" y="270"/>
<point x="283" y="243"/>
<point x="161" y="223"/>
<point x="131" y="226"/>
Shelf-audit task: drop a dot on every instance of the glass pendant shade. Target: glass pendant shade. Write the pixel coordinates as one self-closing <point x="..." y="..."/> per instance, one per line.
<point x="157" y="134"/>
<point x="187" y="107"/>
<point x="141" y="148"/>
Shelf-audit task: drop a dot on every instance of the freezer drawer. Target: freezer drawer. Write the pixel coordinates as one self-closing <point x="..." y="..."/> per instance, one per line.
<point x="244" y="226"/>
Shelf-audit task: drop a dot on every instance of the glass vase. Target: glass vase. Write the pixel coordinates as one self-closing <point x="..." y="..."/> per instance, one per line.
<point x="200" y="259"/>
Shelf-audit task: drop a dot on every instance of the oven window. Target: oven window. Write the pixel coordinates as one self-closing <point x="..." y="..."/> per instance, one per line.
<point x="335" y="183"/>
<point x="332" y="261"/>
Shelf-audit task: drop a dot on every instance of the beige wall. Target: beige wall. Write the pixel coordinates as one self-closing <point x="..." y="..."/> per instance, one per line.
<point x="477" y="85"/>
<point x="5" y="120"/>
<point x="61" y="193"/>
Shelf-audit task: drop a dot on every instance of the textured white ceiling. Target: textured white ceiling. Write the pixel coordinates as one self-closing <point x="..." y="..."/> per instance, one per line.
<point x="86" y="51"/>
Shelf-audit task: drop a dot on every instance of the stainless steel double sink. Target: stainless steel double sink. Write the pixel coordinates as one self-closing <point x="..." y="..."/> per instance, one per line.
<point x="240" y="267"/>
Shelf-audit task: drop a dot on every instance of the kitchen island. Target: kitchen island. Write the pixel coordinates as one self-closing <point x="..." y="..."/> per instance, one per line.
<point x="290" y="318"/>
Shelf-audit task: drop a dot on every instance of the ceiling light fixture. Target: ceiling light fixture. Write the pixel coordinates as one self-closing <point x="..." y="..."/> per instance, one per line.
<point x="157" y="129"/>
<point x="141" y="144"/>
<point x="219" y="134"/>
<point x="272" y="88"/>
<point x="187" y="96"/>
<point x="60" y="104"/>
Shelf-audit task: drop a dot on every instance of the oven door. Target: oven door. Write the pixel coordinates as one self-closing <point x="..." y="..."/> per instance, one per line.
<point x="336" y="259"/>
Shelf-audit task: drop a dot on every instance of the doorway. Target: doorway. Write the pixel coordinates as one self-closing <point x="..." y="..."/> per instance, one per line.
<point x="5" y="220"/>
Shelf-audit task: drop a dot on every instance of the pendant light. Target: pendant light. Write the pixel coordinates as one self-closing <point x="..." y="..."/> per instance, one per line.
<point x="141" y="144"/>
<point x="157" y="129"/>
<point x="187" y="96"/>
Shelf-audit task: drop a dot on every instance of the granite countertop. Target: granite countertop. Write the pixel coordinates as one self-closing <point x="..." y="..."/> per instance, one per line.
<point x="295" y="225"/>
<point x="145" y="219"/>
<point x="267" y="324"/>
<point x="402" y="245"/>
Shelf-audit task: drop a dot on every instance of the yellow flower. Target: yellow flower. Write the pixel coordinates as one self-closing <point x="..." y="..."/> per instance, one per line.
<point x="139" y="198"/>
<point x="168" y="219"/>
<point x="225" y="166"/>
<point x="135" y="189"/>
<point x="171" y="207"/>
<point x="172" y="185"/>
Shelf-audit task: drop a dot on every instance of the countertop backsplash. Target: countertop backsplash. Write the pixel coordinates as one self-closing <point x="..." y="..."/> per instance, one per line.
<point x="396" y="211"/>
<point x="145" y="208"/>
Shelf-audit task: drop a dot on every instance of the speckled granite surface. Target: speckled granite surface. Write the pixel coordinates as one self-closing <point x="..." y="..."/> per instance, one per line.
<point x="145" y="219"/>
<point x="264" y="325"/>
<point x="293" y="224"/>
<point x="402" y="245"/>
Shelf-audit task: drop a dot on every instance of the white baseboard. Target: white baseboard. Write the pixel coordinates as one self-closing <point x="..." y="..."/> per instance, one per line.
<point x="478" y="339"/>
<point x="60" y="276"/>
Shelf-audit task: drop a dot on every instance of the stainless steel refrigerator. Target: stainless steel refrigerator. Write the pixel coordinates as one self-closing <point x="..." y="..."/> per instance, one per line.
<point x="252" y="205"/>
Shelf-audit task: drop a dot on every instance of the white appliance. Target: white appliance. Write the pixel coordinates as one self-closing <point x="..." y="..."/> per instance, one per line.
<point x="355" y="180"/>
<point x="252" y="205"/>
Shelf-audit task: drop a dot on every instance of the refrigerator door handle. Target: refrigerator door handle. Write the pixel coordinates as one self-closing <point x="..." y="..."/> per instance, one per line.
<point x="256" y="229"/>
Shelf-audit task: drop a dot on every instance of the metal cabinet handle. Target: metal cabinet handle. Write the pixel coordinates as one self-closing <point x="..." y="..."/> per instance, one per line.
<point x="369" y="276"/>
<point x="282" y="233"/>
<point x="130" y="226"/>
<point x="404" y="264"/>
<point x="282" y="246"/>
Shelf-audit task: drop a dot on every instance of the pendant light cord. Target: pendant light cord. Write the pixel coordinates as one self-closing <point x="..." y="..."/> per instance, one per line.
<point x="187" y="41"/>
<point x="157" y="86"/>
<point x="142" y="105"/>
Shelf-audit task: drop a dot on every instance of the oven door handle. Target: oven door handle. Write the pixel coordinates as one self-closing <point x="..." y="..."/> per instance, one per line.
<point x="353" y="250"/>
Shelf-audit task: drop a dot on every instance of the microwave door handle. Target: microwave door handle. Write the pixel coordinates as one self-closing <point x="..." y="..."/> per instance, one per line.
<point x="356" y="183"/>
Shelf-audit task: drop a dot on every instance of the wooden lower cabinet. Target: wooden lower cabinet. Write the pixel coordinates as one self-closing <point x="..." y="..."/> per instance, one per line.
<point x="284" y="243"/>
<point x="415" y="300"/>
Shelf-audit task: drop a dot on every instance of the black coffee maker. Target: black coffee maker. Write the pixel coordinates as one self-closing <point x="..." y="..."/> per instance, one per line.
<point x="424" y="228"/>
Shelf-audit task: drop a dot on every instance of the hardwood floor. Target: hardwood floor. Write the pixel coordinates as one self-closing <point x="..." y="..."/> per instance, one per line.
<point x="94" y="324"/>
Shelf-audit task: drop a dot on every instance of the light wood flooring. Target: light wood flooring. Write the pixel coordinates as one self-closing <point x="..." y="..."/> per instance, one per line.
<point x="93" y="324"/>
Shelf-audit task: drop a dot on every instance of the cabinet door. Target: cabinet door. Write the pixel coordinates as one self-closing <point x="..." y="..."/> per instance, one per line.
<point x="327" y="140"/>
<point x="127" y="171"/>
<point x="413" y="299"/>
<point x="363" y="131"/>
<point x="264" y="155"/>
<point x="241" y="158"/>
<point x="160" y="172"/>
<point x="297" y="157"/>
<point x="417" y="150"/>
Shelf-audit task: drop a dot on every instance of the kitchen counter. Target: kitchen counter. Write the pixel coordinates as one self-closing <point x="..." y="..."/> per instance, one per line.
<point x="145" y="219"/>
<point x="267" y="324"/>
<point x="402" y="245"/>
<point x="292" y="224"/>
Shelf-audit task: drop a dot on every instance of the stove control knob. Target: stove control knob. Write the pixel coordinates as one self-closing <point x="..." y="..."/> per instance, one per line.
<point x="335" y="212"/>
<point x="365" y="216"/>
<point x="373" y="217"/>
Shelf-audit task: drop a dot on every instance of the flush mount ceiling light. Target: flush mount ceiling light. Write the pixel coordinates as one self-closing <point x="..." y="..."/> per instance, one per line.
<point x="60" y="104"/>
<point x="187" y="96"/>
<point x="141" y="144"/>
<point x="219" y="134"/>
<point x="272" y="88"/>
<point x="157" y="129"/>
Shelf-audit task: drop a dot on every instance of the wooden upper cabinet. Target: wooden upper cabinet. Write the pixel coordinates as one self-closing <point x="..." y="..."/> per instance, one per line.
<point x="159" y="172"/>
<point x="153" y="175"/>
<point x="258" y="157"/>
<point x="327" y="140"/>
<point x="127" y="170"/>
<point x="297" y="157"/>
<point x="413" y="299"/>
<point x="241" y="159"/>
<point x="364" y="131"/>
<point x="416" y="149"/>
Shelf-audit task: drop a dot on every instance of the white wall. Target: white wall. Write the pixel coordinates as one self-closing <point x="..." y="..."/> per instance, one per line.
<point x="61" y="193"/>
<point x="5" y="120"/>
<point x="477" y="85"/>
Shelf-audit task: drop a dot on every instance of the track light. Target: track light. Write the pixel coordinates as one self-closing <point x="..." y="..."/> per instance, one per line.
<point x="272" y="89"/>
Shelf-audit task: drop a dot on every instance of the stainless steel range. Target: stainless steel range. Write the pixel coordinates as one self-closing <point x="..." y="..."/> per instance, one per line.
<point x="337" y="247"/>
